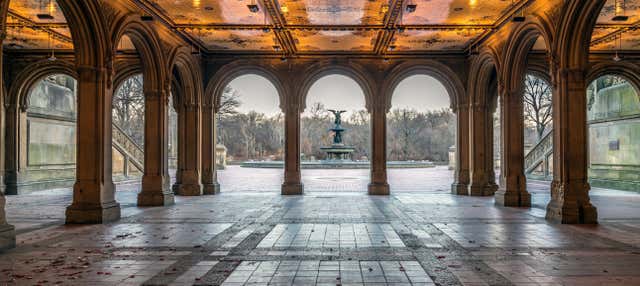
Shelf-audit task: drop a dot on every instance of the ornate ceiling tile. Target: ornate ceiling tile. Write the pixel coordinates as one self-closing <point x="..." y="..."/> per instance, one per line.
<point x="632" y="10"/>
<point x="432" y="40"/>
<point x="240" y="40"/>
<point x="28" y="38"/>
<point x="212" y="11"/>
<point x="334" y="12"/>
<point x="30" y="10"/>
<point x="630" y="41"/>
<point x="343" y="41"/>
<point x="459" y="12"/>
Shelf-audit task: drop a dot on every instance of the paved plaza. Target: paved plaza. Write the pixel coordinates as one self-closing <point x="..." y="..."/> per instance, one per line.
<point x="333" y="235"/>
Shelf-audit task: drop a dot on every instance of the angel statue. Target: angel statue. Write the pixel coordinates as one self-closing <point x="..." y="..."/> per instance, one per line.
<point x="337" y="114"/>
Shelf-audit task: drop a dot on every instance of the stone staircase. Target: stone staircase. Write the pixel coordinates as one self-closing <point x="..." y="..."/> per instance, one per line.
<point x="537" y="163"/>
<point x="131" y="151"/>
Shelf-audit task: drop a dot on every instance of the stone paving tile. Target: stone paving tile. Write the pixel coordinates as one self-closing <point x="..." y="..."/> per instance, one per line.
<point x="262" y="238"/>
<point x="332" y="236"/>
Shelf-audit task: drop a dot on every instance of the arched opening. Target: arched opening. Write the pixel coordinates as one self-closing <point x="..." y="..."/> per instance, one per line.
<point x="128" y="129"/>
<point x="613" y="121"/>
<point x="335" y="136"/>
<point x="250" y="136"/>
<point x="47" y="153"/>
<point x="420" y="135"/>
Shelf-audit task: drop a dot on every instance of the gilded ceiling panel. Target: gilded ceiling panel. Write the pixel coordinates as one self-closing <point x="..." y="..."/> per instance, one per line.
<point x="334" y="12"/>
<point x="28" y="38"/>
<point x="356" y="41"/>
<point x="240" y="40"/>
<point x="630" y="40"/>
<point x="30" y="10"/>
<point x="631" y="9"/>
<point x="212" y="11"/>
<point x="430" y="40"/>
<point x="459" y="12"/>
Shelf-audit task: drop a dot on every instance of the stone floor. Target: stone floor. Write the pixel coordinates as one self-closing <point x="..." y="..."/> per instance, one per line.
<point x="417" y="236"/>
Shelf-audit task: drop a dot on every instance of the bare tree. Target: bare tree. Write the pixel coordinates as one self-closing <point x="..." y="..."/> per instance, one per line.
<point x="229" y="102"/>
<point x="128" y="108"/>
<point x="537" y="103"/>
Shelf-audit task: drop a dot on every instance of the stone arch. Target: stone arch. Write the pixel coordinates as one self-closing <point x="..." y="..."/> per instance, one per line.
<point x="521" y="41"/>
<point x="352" y="71"/>
<point x="124" y="72"/>
<point x="233" y="70"/>
<point x="626" y="70"/>
<point x="578" y="18"/>
<point x="145" y="40"/>
<point x="189" y="79"/>
<point x="26" y="79"/>
<point x="447" y="77"/>
<point x="484" y="69"/>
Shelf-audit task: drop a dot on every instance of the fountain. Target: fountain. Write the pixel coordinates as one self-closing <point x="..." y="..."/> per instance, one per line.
<point x="338" y="154"/>
<point x="338" y="151"/>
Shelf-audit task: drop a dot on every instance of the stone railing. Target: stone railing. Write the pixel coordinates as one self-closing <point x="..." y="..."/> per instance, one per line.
<point x="538" y="153"/>
<point x="125" y="144"/>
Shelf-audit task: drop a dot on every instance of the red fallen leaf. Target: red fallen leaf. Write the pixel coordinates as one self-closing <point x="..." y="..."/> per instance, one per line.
<point x="99" y="272"/>
<point x="132" y="276"/>
<point x="441" y="256"/>
<point x="401" y="268"/>
<point x="198" y="278"/>
<point x="43" y="281"/>
<point x="107" y="273"/>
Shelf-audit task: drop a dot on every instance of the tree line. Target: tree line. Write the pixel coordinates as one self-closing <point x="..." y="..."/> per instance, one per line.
<point x="412" y="135"/>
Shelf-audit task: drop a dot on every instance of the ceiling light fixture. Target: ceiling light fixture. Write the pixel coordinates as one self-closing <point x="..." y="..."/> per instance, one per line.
<point x="518" y="18"/>
<point x="47" y="10"/>
<point x="253" y="7"/>
<point x="617" y="57"/>
<point x="196" y="4"/>
<point x="411" y="7"/>
<point x="53" y="53"/>
<point x="620" y="12"/>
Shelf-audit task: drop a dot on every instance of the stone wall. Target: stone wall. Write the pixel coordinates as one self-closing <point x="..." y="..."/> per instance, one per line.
<point x="614" y="137"/>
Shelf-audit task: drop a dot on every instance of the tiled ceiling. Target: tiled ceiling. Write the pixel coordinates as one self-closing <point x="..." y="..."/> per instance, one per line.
<point x="617" y="35"/>
<point x="319" y="26"/>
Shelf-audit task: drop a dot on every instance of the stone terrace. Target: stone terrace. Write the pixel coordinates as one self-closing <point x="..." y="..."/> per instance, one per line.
<point x="330" y="238"/>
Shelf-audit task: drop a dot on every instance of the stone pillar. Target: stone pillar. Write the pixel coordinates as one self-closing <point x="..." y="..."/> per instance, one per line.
<point x="189" y="160"/>
<point x="209" y="172"/>
<point x="461" y="172"/>
<point x="379" y="184"/>
<point x="479" y="155"/>
<point x="93" y="192"/>
<point x="570" y="202"/>
<point x="292" y="184"/>
<point x="7" y="231"/>
<point x="15" y="147"/>
<point x="155" y="181"/>
<point x="513" y="183"/>
<point x="492" y="185"/>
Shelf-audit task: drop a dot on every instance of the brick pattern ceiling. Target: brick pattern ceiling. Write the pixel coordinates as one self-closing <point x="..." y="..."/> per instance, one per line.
<point x="319" y="26"/>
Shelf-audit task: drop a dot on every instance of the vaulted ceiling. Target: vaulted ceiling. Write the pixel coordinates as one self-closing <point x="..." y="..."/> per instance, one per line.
<point x="319" y="26"/>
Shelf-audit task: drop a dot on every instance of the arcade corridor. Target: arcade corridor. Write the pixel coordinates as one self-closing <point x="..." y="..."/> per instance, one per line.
<point x="486" y="142"/>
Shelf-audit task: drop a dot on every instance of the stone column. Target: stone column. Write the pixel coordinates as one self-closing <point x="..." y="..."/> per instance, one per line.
<point x="379" y="184"/>
<point x="292" y="184"/>
<point x="479" y="155"/>
<point x="513" y="183"/>
<point x="155" y="181"/>
<point x="570" y="202"/>
<point x="15" y="147"/>
<point x="209" y="172"/>
<point x="93" y="192"/>
<point x="189" y="161"/>
<point x="461" y="172"/>
<point x="492" y="185"/>
<point x="7" y="231"/>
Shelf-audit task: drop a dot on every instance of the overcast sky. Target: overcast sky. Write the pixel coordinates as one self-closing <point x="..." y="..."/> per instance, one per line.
<point x="419" y="92"/>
